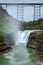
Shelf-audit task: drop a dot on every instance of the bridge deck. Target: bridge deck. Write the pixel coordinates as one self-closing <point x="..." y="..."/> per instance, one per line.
<point x="21" y="3"/>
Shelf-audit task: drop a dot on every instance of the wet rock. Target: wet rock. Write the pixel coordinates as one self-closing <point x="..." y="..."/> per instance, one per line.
<point x="35" y="41"/>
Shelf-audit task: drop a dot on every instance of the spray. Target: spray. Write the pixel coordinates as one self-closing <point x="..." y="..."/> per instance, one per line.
<point x="9" y="24"/>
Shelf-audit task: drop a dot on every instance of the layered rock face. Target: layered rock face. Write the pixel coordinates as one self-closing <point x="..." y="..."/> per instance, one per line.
<point x="35" y="41"/>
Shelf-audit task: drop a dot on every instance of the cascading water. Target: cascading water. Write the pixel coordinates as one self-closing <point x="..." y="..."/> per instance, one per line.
<point x="23" y="36"/>
<point x="19" y="55"/>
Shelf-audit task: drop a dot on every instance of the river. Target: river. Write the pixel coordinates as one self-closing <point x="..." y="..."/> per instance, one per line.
<point x="19" y="55"/>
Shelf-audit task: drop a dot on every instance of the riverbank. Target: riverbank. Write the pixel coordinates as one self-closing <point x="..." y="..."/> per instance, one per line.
<point x="35" y="41"/>
<point x="18" y="57"/>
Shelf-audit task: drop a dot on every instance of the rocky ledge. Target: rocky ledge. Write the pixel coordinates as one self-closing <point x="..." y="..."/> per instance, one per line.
<point x="35" y="41"/>
<point x="6" y="41"/>
<point x="4" y="48"/>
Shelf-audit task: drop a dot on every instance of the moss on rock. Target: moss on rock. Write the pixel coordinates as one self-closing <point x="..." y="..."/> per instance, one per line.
<point x="1" y="38"/>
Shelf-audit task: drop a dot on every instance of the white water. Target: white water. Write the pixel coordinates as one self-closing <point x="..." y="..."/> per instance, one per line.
<point x="23" y="36"/>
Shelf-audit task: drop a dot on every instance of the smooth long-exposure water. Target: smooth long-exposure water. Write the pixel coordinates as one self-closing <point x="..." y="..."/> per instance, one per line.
<point x="19" y="55"/>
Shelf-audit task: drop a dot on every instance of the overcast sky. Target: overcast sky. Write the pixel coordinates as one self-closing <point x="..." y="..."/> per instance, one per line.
<point x="17" y="1"/>
<point x="28" y="11"/>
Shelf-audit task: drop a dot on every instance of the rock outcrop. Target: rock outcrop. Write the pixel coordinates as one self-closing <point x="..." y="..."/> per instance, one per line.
<point x="6" y="41"/>
<point x="35" y="41"/>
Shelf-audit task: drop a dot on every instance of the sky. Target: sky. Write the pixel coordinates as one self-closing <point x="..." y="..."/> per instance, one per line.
<point x="21" y="1"/>
<point x="28" y="11"/>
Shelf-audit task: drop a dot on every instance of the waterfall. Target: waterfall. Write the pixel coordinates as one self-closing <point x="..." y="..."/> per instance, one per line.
<point x="23" y="36"/>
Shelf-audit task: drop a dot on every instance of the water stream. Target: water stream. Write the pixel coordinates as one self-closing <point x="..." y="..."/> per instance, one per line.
<point x="19" y="55"/>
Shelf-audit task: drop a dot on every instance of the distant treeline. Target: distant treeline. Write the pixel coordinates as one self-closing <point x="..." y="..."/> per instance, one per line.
<point x="33" y="25"/>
